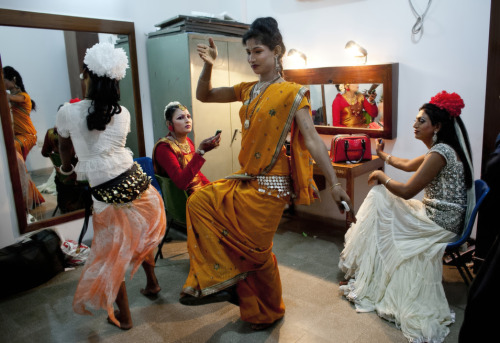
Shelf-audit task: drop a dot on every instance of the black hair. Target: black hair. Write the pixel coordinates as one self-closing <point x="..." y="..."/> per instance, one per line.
<point x="266" y="31"/>
<point x="105" y="94"/>
<point x="448" y="135"/>
<point x="169" y="112"/>
<point x="13" y="75"/>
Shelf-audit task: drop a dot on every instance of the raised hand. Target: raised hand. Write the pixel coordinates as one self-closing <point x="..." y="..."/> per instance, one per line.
<point x="208" y="53"/>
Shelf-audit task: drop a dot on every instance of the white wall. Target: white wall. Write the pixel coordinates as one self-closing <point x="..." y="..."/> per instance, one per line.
<point x="451" y="54"/>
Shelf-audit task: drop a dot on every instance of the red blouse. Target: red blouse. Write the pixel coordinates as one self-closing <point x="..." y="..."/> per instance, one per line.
<point x="168" y="165"/>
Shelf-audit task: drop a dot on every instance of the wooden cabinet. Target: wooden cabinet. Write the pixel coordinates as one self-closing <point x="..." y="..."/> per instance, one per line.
<point x="174" y="67"/>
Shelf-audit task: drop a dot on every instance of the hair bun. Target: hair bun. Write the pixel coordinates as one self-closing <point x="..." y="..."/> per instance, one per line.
<point x="450" y="102"/>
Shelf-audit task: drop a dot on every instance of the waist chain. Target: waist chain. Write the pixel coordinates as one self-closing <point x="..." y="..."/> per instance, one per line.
<point x="123" y="189"/>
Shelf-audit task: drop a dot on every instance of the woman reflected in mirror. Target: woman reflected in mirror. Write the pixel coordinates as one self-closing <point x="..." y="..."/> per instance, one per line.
<point x="128" y="214"/>
<point x="175" y="157"/>
<point x="350" y="108"/>
<point x="21" y="106"/>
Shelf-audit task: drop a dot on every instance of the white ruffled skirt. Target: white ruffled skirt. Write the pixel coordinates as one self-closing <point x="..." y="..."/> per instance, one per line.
<point x="394" y="256"/>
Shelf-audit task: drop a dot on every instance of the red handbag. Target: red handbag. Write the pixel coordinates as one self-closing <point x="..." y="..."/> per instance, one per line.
<point x="350" y="148"/>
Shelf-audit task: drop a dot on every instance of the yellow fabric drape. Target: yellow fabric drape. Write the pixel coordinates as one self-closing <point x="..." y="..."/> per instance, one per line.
<point x="231" y="224"/>
<point x="24" y="130"/>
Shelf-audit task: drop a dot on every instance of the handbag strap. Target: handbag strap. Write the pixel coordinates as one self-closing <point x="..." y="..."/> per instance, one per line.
<point x="346" y="148"/>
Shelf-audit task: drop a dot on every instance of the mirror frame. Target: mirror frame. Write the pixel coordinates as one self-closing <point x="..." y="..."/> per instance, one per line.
<point x="66" y="23"/>
<point x="387" y="74"/>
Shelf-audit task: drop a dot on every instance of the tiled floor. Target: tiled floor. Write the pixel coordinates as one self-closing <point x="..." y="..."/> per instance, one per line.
<point x="307" y="253"/>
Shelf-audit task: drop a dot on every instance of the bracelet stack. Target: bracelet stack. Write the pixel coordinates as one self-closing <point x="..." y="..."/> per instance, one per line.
<point x="68" y="172"/>
<point x="335" y="185"/>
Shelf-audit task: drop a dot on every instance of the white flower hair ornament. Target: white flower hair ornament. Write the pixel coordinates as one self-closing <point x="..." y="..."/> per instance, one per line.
<point x="103" y="59"/>
<point x="174" y="103"/>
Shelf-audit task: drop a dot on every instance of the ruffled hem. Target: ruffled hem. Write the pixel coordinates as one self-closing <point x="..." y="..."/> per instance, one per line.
<point x="124" y="237"/>
<point x="394" y="252"/>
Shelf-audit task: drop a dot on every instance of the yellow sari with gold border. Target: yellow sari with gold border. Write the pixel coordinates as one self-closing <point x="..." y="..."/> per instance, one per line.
<point x="231" y="224"/>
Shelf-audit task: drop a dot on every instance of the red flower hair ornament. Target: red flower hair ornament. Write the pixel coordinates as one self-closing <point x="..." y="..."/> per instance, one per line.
<point x="450" y="102"/>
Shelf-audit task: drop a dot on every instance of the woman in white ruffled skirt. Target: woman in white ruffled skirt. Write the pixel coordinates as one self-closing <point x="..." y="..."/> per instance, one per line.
<point x="393" y="254"/>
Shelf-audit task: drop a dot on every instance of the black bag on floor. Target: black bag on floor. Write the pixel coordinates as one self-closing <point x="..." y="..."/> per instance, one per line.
<point x="30" y="263"/>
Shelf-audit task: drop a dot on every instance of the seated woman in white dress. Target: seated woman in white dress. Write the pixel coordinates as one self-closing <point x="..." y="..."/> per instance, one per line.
<point x="393" y="254"/>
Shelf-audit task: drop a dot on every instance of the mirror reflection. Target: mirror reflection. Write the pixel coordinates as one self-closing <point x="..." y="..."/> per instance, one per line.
<point x="41" y="70"/>
<point x="348" y="105"/>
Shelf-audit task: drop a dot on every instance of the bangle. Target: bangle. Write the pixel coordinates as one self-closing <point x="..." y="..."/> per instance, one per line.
<point x="68" y="172"/>
<point x="335" y="185"/>
<point x="388" y="159"/>
<point x="389" y="179"/>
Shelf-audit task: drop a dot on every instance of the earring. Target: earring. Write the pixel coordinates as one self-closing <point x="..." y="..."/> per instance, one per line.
<point x="277" y="65"/>
<point x="170" y="128"/>
<point x="434" y="138"/>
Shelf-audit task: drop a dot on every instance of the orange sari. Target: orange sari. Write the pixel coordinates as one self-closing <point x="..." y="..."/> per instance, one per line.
<point x="24" y="141"/>
<point x="24" y="130"/>
<point x="231" y="222"/>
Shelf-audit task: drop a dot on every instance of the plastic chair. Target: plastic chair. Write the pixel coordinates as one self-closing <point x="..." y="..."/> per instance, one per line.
<point x="146" y="164"/>
<point x="175" y="206"/>
<point x="453" y="249"/>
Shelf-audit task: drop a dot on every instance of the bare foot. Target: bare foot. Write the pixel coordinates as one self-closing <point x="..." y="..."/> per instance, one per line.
<point x="151" y="291"/>
<point x="125" y="323"/>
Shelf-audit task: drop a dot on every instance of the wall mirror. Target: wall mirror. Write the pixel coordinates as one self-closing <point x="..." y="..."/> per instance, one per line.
<point x="354" y="99"/>
<point x="55" y="46"/>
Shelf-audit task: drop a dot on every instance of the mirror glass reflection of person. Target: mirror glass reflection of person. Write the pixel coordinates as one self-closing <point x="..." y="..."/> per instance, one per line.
<point x="349" y="107"/>
<point x="128" y="214"/>
<point x="231" y="222"/>
<point x="71" y="194"/>
<point x="393" y="254"/>
<point x="25" y="137"/>
<point x="175" y="156"/>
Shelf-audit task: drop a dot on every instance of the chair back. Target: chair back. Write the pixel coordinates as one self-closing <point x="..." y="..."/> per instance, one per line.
<point x="146" y="164"/>
<point x="174" y="199"/>
<point x="482" y="190"/>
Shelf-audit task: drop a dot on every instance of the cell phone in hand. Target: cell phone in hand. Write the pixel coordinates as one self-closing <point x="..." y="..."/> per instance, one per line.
<point x="217" y="132"/>
<point x="345" y="206"/>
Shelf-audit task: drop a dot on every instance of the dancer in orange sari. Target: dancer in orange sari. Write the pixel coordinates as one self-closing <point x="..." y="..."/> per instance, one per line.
<point x="21" y="106"/>
<point x="128" y="215"/>
<point x="231" y="222"/>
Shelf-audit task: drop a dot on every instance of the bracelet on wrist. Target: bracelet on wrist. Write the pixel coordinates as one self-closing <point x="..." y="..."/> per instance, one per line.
<point x="388" y="159"/>
<point x="335" y="185"/>
<point x="200" y="152"/>
<point x="386" y="182"/>
<point x="66" y="172"/>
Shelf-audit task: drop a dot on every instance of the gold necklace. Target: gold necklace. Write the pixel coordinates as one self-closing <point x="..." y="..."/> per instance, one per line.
<point x="185" y="148"/>
<point x="352" y="100"/>
<point x="246" y="125"/>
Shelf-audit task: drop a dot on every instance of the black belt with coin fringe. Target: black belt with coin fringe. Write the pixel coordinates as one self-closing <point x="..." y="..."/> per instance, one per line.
<point x="121" y="190"/>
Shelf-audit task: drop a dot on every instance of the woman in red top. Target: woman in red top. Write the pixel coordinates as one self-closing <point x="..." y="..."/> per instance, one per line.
<point x="348" y="108"/>
<point x="174" y="155"/>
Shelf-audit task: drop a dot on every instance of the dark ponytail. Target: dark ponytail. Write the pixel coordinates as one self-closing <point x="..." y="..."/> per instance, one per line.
<point x="13" y="75"/>
<point x="105" y="95"/>
<point x="448" y="135"/>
